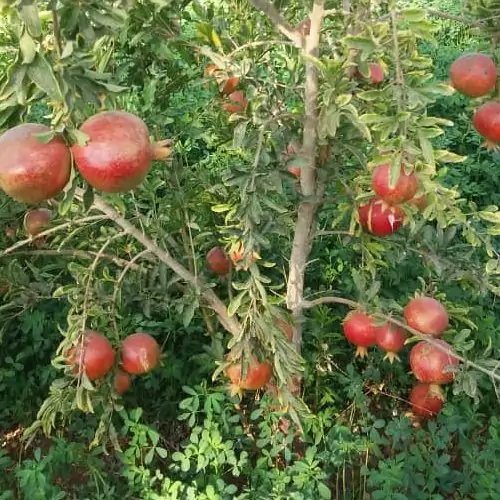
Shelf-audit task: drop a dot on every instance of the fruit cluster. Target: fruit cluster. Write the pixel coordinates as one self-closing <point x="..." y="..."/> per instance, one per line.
<point x="94" y="355"/>
<point x="475" y="75"/>
<point x="35" y="163"/>
<point x="430" y="359"/>
<point x="234" y="100"/>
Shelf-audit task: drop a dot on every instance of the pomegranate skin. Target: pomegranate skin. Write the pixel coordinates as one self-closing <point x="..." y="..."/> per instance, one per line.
<point x="237" y="102"/>
<point x="391" y="339"/>
<point x="121" y="382"/>
<point x="379" y="218"/>
<point x="425" y="402"/>
<point x="473" y="75"/>
<point x="427" y="315"/>
<point x="32" y="172"/>
<point x="359" y="330"/>
<point x="487" y="121"/>
<point x="118" y="154"/>
<point x="218" y="262"/>
<point x="140" y="353"/>
<point x="428" y="362"/>
<point x="257" y="375"/>
<point x="98" y="355"/>
<point x="405" y="188"/>
<point x="376" y="73"/>
<point x="36" y="220"/>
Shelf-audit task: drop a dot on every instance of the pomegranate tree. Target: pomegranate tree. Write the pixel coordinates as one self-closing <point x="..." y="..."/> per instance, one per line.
<point x="432" y="365"/>
<point x="32" y="171"/>
<point x="427" y="315"/>
<point x="487" y="121"/>
<point x="473" y="75"/>
<point x="36" y="220"/>
<point x="121" y="382"/>
<point x="359" y="329"/>
<point x="391" y="339"/>
<point x="425" y="401"/>
<point x="93" y="354"/>
<point x="404" y="189"/>
<point x="258" y="374"/>
<point x="380" y="218"/>
<point x="140" y="353"/>
<point x="218" y="262"/>
<point x="236" y="103"/>
<point x="118" y="153"/>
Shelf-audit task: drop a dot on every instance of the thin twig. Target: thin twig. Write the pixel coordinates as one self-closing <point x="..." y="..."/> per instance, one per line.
<point x="442" y="15"/>
<point x="57" y="34"/>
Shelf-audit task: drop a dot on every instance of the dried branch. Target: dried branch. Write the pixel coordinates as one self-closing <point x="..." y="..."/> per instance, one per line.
<point x="231" y="324"/>
<point x="278" y="20"/>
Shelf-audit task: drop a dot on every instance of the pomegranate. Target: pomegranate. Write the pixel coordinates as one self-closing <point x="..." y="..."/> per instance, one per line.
<point x="292" y="149"/>
<point x="237" y="103"/>
<point x="419" y="201"/>
<point x="427" y="315"/>
<point x="97" y="358"/>
<point x="473" y="75"/>
<point x="425" y="401"/>
<point x="121" y="382"/>
<point x="30" y="171"/>
<point x="376" y="73"/>
<point x="36" y="220"/>
<point x="140" y="353"/>
<point x="428" y="362"/>
<point x="487" y="121"/>
<point x="287" y="328"/>
<point x="391" y="339"/>
<point x="380" y="218"/>
<point x="118" y="154"/>
<point x="258" y="374"/>
<point x="359" y="330"/>
<point x="405" y="188"/>
<point x="218" y="262"/>
<point x="230" y="85"/>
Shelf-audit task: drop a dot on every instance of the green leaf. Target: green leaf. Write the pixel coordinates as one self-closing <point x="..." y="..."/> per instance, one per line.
<point x="45" y="137"/>
<point x="493" y="217"/>
<point x="221" y="208"/>
<point x="28" y="48"/>
<point x="42" y="75"/>
<point x="188" y="313"/>
<point x="413" y="15"/>
<point x="88" y="197"/>
<point x="77" y="137"/>
<point x="426" y="147"/>
<point x="149" y="456"/>
<point x="31" y="18"/>
<point x="363" y="43"/>
<point x="68" y="49"/>
<point x="235" y="303"/>
<point x="65" y="205"/>
<point x="394" y="171"/>
<point x="343" y="99"/>
<point x="444" y="156"/>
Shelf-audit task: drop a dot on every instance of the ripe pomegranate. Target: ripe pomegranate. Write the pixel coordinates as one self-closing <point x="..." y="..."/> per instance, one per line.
<point x="405" y="188"/>
<point x="391" y="339"/>
<point x="258" y="374"/>
<point x="230" y="85"/>
<point x="379" y="218"/>
<point x="36" y="220"/>
<point x="292" y="149"/>
<point x="425" y="401"/>
<point x="140" y="353"/>
<point x="237" y="103"/>
<point x="97" y="358"/>
<point x="359" y="330"/>
<point x="419" y="201"/>
<point x="376" y="73"/>
<point x="487" y="121"/>
<point x="118" y="154"/>
<point x="428" y="363"/>
<point x="473" y="75"/>
<point x="30" y="171"/>
<point x="121" y="382"/>
<point x="287" y="328"/>
<point x="427" y="315"/>
<point x="218" y="262"/>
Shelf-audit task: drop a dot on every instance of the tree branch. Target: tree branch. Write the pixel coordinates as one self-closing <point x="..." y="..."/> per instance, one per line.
<point x="278" y="20"/>
<point x="306" y="217"/>
<point x="231" y="324"/>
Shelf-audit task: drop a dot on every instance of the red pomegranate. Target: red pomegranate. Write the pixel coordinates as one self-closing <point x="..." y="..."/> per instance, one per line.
<point x="419" y="201"/>
<point x="359" y="330"/>
<point x="487" y="121"/>
<point x="391" y="339"/>
<point x="118" y="154"/>
<point x="427" y="315"/>
<point x="36" y="220"/>
<point x="218" y="262"/>
<point x="380" y="218"/>
<point x="97" y="357"/>
<point x="230" y="85"/>
<point x="237" y="103"/>
<point x="121" y="382"/>
<point x="473" y="75"/>
<point x="425" y="401"/>
<point x="140" y="353"/>
<point x="292" y="149"/>
<point x="376" y="73"/>
<point x="405" y="188"/>
<point x="428" y="362"/>
<point x="30" y="171"/>
<point x="258" y="374"/>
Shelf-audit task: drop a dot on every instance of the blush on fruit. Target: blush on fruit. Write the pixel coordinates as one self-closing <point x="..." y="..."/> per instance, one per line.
<point x="258" y="374"/>
<point x="376" y="73"/>
<point x="140" y="353"/>
<point x="237" y="103"/>
<point x="425" y="401"/>
<point x="391" y="339"/>
<point x="473" y="75"/>
<point x="430" y="364"/>
<point x="36" y="220"/>
<point x="427" y="315"/>
<point x="31" y="171"/>
<point x="405" y="188"/>
<point x="486" y="121"/>
<point x="359" y="329"/>
<point x="121" y="382"/>
<point x="379" y="218"/>
<point x="218" y="262"/>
